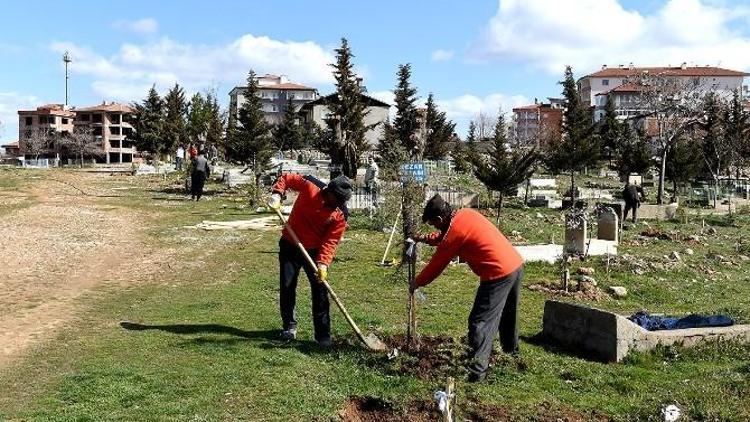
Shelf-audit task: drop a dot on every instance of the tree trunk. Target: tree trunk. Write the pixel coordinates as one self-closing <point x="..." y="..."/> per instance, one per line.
<point x="81" y="163"/>
<point x="499" y="208"/>
<point x="526" y="195"/>
<point x="572" y="187"/>
<point x="662" y="174"/>
<point x="674" y="187"/>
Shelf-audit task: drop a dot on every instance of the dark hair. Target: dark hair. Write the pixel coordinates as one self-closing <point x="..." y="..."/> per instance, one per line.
<point x="436" y="207"/>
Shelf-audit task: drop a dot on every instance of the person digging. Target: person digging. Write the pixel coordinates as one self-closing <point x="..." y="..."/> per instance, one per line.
<point x="476" y="241"/>
<point x="318" y="218"/>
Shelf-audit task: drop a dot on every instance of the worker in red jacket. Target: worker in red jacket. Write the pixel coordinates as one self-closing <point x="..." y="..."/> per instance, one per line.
<point x="319" y="219"/>
<point x="478" y="243"/>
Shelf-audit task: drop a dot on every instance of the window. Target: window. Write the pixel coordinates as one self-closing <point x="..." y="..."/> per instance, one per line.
<point x="85" y="117"/>
<point x="97" y="131"/>
<point x="114" y="143"/>
<point x="51" y="120"/>
<point x="64" y="121"/>
<point x="97" y="118"/>
<point x="605" y="82"/>
<point x="273" y="107"/>
<point x="264" y="94"/>
<point x="29" y="120"/>
<point x="114" y="130"/>
<point x="114" y="119"/>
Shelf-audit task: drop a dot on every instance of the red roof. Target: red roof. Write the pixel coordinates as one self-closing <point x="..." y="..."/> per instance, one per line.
<point x="286" y="86"/>
<point x="527" y="107"/>
<point x="49" y="109"/>
<point x="10" y="145"/>
<point x="111" y="107"/>
<point x="628" y="87"/>
<point x="670" y="71"/>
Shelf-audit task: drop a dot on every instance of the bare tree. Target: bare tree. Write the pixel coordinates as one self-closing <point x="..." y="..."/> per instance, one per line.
<point x="485" y="126"/>
<point x="666" y="107"/>
<point x="37" y="142"/>
<point x="82" y="142"/>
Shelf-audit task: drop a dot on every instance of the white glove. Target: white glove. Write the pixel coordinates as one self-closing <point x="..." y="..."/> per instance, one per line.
<point x="275" y="202"/>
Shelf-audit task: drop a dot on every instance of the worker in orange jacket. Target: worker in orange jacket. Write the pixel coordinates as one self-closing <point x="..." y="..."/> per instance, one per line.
<point x="319" y="219"/>
<point x="476" y="241"/>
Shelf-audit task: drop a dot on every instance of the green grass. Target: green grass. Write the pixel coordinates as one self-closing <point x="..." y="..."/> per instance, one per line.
<point x="236" y="369"/>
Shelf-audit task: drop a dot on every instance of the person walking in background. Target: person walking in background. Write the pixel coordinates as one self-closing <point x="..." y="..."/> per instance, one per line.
<point x="372" y="175"/>
<point x="201" y="171"/>
<point x="192" y="151"/>
<point x="632" y="195"/>
<point x="179" y="157"/>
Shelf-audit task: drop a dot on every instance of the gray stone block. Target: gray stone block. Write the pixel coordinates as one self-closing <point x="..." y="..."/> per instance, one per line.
<point x="610" y="337"/>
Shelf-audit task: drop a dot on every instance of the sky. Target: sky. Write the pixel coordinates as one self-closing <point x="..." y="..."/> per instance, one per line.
<point x="474" y="56"/>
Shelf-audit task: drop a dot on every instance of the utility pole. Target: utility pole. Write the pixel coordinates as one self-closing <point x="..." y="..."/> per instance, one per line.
<point x="66" y="60"/>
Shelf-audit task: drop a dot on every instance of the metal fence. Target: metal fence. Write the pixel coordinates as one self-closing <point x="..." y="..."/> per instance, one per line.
<point x="364" y="198"/>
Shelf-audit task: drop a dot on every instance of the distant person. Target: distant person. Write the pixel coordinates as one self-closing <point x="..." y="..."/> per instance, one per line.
<point x="632" y="195"/>
<point x="214" y="154"/>
<point x="372" y="178"/>
<point x="201" y="171"/>
<point x="476" y="241"/>
<point x="179" y="157"/>
<point x="192" y="151"/>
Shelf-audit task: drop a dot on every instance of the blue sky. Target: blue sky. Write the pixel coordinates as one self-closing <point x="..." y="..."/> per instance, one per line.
<point x="473" y="55"/>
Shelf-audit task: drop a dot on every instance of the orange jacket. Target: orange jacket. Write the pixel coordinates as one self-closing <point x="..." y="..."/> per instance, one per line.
<point x="317" y="226"/>
<point x="478" y="243"/>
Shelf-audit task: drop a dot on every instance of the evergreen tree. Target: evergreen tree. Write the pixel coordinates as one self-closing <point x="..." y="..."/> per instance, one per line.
<point x="714" y="146"/>
<point x="684" y="162"/>
<point x="439" y="132"/>
<point x="405" y="124"/>
<point x="578" y="147"/>
<point x="175" y="129"/>
<point x="392" y="153"/>
<point x="350" y="111"/>
<point x="737" y="132"/>
<point x="288" y="134"/>
<point x="460" y="157"/>
<point x="609" y="129"/>
<point x="149" y="123"/>
<point x="197" y="117"/>
<point x="502" y="170"/>
<point x="250" y="141"/>
<point x="472" y="148"/>
<point x="632" y="152"/>
<point x="215" y="121"/>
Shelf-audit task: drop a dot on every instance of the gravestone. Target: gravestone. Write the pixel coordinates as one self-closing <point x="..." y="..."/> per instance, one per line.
<point x="607" y="226"/>
<point x="635" y="179"/>
<point x="576" y="233"/>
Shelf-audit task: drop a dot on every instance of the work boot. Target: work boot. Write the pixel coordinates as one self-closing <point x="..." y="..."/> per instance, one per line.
<point x="288" y="335"/>
<point x="325" y="343"/>
<point x="475" y="377"/>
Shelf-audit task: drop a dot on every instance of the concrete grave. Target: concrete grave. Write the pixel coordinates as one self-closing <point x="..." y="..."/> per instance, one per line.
<point x="607" y="225"/>
<point x="635" y="179"/>
<point x="658" y="212"/>
<point x="610" y="337"/>
<point x="576" y="233"/>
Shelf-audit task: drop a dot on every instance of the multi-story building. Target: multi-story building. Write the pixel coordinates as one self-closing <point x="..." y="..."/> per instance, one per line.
<point x="53" y="119"/>
<point x="619" y="81"/>
<point x="376" y="113"/>
<point x="534" y="122"/>
<point x="275" y="91"/>
<point x="110" y="122"/>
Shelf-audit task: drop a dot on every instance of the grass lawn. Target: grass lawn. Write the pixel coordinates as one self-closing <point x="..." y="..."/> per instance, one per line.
<point x="201" y="343"/>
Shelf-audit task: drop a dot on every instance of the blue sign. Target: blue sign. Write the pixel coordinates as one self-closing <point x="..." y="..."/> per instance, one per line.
<point x="414" y="172"/>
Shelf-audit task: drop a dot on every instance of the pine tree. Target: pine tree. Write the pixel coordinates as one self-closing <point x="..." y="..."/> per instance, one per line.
<point x="149" y="123"/>
<point x="502" y="170"/>
<point x="578" y="147"/>
<point x="737" y="132"/>
<point x="609" y="129"/>
<point x="288" y="134"/>
<point x="197" y="118"/>
<point x="348" y="107"/>
<point x="215" y="122"/>
<point x="472" y="147"/>
<point x="684" y="162"/>
<point x="392" y="153"/>
<point x="632" y="152"/>
<point x="439" y="132"/>
<point x="405" y="124"/>
<point x="175" y="129"/>
<point x="250" y="141"/>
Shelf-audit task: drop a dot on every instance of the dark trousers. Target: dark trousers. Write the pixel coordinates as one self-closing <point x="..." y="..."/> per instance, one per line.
<point x="631" y="206"/>
<point x="290" y="262"/>
<point x="495" y="309"/>
<point x="197" y="180"/>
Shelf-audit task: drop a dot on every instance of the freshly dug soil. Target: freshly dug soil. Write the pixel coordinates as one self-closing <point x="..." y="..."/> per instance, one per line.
<point x="371" y="409"/>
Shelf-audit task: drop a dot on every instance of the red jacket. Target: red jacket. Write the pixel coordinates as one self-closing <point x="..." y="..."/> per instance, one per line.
<point x="317" y="226"/>
<point x="477" y="242"/>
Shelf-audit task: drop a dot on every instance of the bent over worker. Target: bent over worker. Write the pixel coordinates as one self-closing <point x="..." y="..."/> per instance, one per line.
<point x="319" y="219"/>
<point x="476" y="241"/>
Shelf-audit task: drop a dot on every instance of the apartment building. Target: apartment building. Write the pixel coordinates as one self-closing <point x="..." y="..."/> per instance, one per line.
<point x="619" y="81"/>
<point x="110" y="122"/>
<point x="533" y="122"/>
<point x="376" y="112"/>
<point x="54" y="119"/>
<point x="274" y="92"/>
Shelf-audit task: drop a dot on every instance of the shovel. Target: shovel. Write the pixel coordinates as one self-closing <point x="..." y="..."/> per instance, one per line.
<point x="371" y="340"/>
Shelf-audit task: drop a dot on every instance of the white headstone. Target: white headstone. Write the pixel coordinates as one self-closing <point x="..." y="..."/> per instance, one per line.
<point x="607" y="225"/>
<point x="576" y="232"/>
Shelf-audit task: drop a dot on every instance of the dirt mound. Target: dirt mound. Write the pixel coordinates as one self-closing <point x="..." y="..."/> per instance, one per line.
<point x="593" y="293"/>
<point x="371" y="409"/>
<point x="661" y="235"/>
<point x="431" y="357"/>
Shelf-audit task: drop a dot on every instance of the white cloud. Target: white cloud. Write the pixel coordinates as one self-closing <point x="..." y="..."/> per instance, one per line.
<point x="10" y="103"/>
<point x="123" y="75"/>
<point x="588" y="33"/>
<point x="441" y="55"/>
<point x="140" y="26"/>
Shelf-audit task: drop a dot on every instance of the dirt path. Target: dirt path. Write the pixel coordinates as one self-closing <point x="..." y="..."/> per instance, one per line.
<point x="58" y="249"/>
